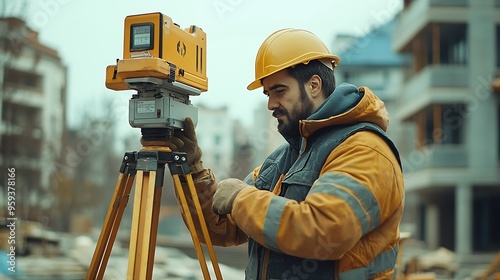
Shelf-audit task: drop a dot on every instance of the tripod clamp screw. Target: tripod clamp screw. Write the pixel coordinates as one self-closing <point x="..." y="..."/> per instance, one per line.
<point x="129" y="163"/>
<point x="179" y="164"/>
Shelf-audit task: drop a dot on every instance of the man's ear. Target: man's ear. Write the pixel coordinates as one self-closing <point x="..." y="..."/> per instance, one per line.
<point x="315" y="85"/>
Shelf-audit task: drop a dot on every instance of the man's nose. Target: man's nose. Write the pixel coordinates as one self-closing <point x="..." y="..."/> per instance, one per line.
<point x="272" y="103"/>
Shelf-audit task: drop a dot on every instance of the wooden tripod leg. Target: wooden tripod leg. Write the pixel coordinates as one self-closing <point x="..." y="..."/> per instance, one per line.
<point x="110" y="227"/>
<point x="203" y="226"/>
<point x="190" y="225"/>
<point x="154" y="227"/>
<point x="142" y="247"/>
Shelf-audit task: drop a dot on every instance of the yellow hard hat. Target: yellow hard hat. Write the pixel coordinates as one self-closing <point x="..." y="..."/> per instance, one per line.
<point x="285" y="48"/>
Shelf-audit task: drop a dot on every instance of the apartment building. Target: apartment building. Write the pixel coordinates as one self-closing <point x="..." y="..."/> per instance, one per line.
<point x="32" y="110"/>
<point x="450" y="100"/>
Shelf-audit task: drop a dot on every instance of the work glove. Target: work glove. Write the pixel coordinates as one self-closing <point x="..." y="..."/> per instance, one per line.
<point x="190" y="146"/>
<point x="184" y="141"/>
<point x="227" y="190"/>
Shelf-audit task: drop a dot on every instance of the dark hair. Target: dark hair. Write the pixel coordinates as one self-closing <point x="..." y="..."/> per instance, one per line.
<point x="303" y="72"/>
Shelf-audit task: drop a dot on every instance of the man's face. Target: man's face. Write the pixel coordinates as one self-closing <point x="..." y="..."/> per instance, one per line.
<point x="289" y="101"/>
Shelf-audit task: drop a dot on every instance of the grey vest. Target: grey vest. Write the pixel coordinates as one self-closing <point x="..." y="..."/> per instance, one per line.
<point x="301" y="171"/>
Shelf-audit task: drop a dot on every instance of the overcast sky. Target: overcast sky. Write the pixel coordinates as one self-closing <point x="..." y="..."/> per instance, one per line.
<point x="88" y="35"/>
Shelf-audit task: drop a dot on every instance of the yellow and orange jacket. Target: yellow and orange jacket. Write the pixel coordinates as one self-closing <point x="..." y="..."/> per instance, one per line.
<point x="326" y="205"/>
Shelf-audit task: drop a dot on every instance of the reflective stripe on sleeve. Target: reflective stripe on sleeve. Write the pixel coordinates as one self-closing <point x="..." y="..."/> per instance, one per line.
<point x="383" y="262"/>
<point x="361" y="200"/>
<point x="272" y="222"/>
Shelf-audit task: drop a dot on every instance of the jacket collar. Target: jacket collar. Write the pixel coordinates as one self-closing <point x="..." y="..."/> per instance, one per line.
<point x="346" y="105"/>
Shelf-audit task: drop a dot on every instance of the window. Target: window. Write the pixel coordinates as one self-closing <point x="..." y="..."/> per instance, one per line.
<point x="440" y="124"/>
<point x="346" y="76"/>
<point x="498" y="46"/>
<point x="217" y="158"/>
<point x="486" y="229"/>
<point x="25" y="118"/>
<point x="452" y="123"/>
<point x="440" y="44"/>
<point x="453" y="46"/>
<point x="217" y="139"/>
<point x="22" y="79"/>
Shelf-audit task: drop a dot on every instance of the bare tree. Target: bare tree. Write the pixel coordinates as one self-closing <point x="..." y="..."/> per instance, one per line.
<point x="88" y="168"/>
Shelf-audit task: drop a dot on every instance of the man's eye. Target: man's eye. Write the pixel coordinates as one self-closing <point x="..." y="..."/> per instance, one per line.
<point x="278" y="91"/>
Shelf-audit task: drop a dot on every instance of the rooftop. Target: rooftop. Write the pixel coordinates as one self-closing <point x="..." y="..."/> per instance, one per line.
<point x="373" y="49"/>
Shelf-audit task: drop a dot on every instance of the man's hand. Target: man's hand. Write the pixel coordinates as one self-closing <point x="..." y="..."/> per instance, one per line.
<point x="190" y="146"/>
<point x="184" y="141"/>
<point x="224" y="196"/>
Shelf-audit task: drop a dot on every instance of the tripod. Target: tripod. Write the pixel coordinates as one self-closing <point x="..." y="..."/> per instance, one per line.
<point x="147" y="166"/>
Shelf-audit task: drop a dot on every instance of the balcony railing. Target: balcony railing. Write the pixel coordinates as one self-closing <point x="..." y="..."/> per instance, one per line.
<point x="435" y="156"/>
<point x="436" y="76"/>
<point x="449" y="3"/>
<point x="441" y="3"/>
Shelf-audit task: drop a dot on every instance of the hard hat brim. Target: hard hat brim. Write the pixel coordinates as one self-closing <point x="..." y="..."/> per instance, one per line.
<point x="254" y="85"/>
<point x="257" y="83"/>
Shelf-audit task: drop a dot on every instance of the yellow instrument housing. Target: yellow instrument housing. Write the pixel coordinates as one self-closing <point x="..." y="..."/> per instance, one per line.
<point x="154" y="46"/>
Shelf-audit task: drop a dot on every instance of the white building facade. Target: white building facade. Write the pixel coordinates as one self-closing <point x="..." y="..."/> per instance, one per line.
<point x="32" y="110"/>
<point x="215" y="134"/>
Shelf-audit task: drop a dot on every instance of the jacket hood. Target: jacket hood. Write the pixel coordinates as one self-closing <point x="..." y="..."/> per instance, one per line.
<point x="346" y="105"/>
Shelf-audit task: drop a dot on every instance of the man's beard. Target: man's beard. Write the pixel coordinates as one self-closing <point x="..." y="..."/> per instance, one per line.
<point x="300" y="111"/>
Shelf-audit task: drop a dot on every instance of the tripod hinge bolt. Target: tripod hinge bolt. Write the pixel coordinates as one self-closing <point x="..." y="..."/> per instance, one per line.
<point x="128" y="163"/>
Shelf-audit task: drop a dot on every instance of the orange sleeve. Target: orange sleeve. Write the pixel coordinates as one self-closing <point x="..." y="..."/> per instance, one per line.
<point x="359" y="186"/>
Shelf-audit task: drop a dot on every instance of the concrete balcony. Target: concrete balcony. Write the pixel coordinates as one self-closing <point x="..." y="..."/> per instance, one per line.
<point x="435" y="156"/>
<point x="436" y="76"/>
<point x="25" y="97"/>
<point x="434" y="84"/>
<point x="23" y="162"/>
<point x="444" y="167"/>
<point x="449" y="3"/>
<point x="421" y="13"/>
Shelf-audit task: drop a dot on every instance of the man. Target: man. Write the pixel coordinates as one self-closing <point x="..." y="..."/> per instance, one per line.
<point x="327" y="204"/>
